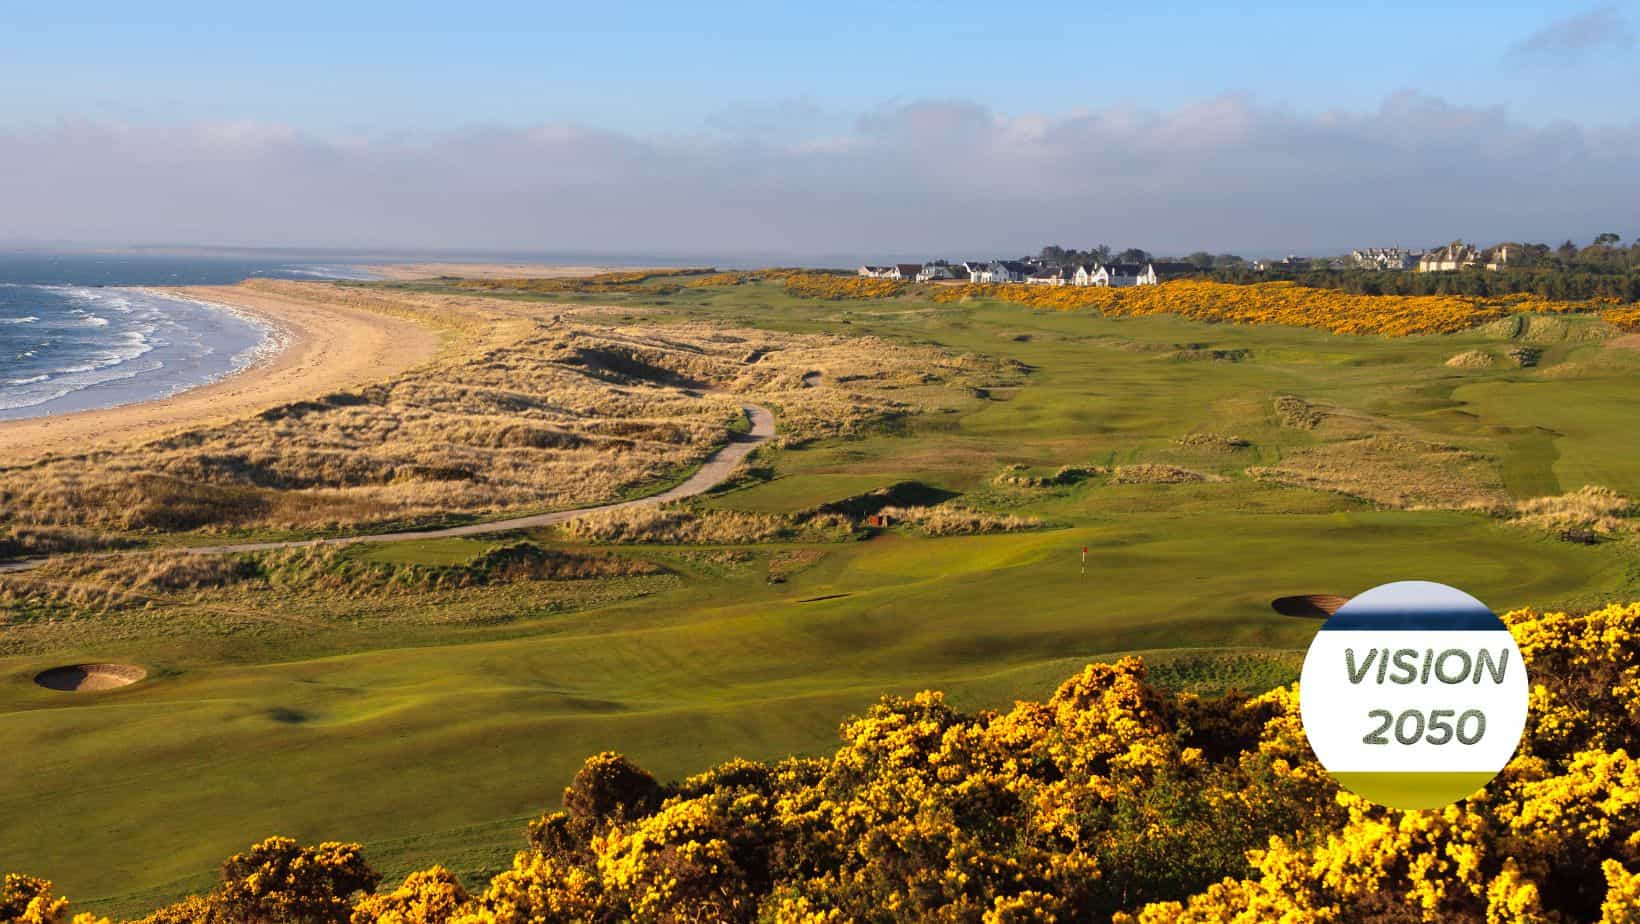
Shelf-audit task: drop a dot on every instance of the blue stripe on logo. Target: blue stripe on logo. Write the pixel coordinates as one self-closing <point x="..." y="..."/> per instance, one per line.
<point x="1374" y="619"/>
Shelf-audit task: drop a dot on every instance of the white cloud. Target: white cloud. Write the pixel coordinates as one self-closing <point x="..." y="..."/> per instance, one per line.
<point x="926" y="177"/>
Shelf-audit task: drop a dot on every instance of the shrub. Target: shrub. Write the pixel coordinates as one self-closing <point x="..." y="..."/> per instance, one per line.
<point x="834" y="287"/>
<point x="1282" y="303"/>
<point x="431" y="896"/>
<point x="609" y="788"/>
<point x="279" y="880"/>
<point x="1111" y="800"/>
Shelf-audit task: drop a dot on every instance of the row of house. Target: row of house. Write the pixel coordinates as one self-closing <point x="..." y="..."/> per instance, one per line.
<point x="1460" y="256"/>
<point x="1384" y="258"/>
<point x="1451" y="258"/>
<point x="1033" y="272"/>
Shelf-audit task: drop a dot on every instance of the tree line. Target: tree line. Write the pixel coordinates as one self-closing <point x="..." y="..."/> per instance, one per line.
<point x="1056" y="255"/>
<point x="1605" y="269"/>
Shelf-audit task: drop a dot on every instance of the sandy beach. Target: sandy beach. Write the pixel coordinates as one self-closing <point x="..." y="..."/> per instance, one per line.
<point x="326" y="346"/>
<point x="409" y="272"/>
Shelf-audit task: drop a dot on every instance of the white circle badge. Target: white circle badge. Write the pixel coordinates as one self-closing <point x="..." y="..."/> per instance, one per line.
<point x="1413" y="695"/>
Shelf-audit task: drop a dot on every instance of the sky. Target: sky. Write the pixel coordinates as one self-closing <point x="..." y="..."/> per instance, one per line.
<point x="957" y="129"/>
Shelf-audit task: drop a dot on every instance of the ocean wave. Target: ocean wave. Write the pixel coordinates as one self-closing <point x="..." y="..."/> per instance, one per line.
<point x="26" y="319"/>
<point x="158" y="344"/>
<point x="101" y="297"/>
<point x="65" y="387"/>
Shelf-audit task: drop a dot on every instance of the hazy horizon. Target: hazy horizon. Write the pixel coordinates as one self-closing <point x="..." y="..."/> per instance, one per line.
<point x="644" y="131"/>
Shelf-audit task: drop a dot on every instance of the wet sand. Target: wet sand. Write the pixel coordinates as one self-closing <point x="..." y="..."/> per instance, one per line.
<point x="327" y="345"/>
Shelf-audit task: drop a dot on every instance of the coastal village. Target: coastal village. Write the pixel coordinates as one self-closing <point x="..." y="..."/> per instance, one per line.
<point x="1032" y="271"/>
<point x="1453" y="257"/>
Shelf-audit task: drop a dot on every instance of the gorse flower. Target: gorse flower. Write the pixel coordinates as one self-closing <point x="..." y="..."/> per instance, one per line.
<point x="1111" y="800"/>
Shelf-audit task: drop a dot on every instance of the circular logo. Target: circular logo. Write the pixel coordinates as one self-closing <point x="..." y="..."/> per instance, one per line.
<point x="1413" y="695"/>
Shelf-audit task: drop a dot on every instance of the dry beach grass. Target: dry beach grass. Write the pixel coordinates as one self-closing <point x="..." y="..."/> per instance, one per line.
<point x="528" y="407"/>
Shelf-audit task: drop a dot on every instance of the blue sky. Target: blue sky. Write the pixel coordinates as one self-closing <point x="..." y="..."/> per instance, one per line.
<point x="680" y="67"/>
<point x="710" y="91"/>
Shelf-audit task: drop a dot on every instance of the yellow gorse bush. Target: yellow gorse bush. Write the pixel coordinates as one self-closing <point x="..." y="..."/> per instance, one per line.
<point x="832" y="287"/>
<point x="1626" y="318"/>
<point x="1278" y="303"/>
<point x="1112" y="800"/>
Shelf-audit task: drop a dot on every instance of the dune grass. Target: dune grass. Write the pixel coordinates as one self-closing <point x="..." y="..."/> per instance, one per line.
<point x="428" y="725"/>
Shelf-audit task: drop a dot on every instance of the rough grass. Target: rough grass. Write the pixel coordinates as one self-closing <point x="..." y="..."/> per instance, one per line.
<point x="1020" y="476"/>
<point x="1297" y="413"/>
<point x="1589" y="507"/>
<point x="1393" y="472"/>
<point x="1212" y="442"/>
<point x="951" y="520"/>
<point x="23" y="541"/>
<point x="102" y="583"/>
<point x="546" y="411"/>
<point x="1155" y="473"/>
<point x="692" y="525"/>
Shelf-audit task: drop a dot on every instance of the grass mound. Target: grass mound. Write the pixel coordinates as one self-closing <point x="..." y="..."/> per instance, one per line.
<point x="114" y="582"/>
<point x="1019" y="476"/>
<point x="1297" y="413"/>
<point x="1212" y="442"/>
<point x="900" y="494"/>
<point x="1154" y="473"/>
<point x="947" y="520"/>
<point x="690" y="525"/>
<point x="1524" y="356"/>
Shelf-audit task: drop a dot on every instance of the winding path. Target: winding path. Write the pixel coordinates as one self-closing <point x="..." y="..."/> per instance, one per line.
<point x="711" y="473"/>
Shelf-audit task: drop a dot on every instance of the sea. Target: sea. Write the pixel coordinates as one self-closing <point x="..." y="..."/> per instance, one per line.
<point x="95" y="330"/>
<point x="81" y="331"/>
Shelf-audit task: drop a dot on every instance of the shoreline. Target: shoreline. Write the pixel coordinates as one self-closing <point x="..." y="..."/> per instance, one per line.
<point x="314" y="345"/>
<point x="421" y="272"/>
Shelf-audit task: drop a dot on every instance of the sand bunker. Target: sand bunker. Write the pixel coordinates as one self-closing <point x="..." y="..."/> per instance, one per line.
<point x="1309" y="606"/>
<point x="82" y="678"/>
<point x="1471" y="359"/>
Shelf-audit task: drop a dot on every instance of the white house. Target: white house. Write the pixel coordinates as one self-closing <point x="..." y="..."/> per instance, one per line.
<point x="998" y="272"/>
<point x="1451" y="258"/>
<point x="1049" y="276"/>
<point x="932" y="271"/>
<point x="1090" y="274"/>
<point x="1128" y="274"/>
<point x="1383" y="258"/>
<point x="1013" y="271"/>
<point x="1115" y="274"/>
<point x="875" y="272"/>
